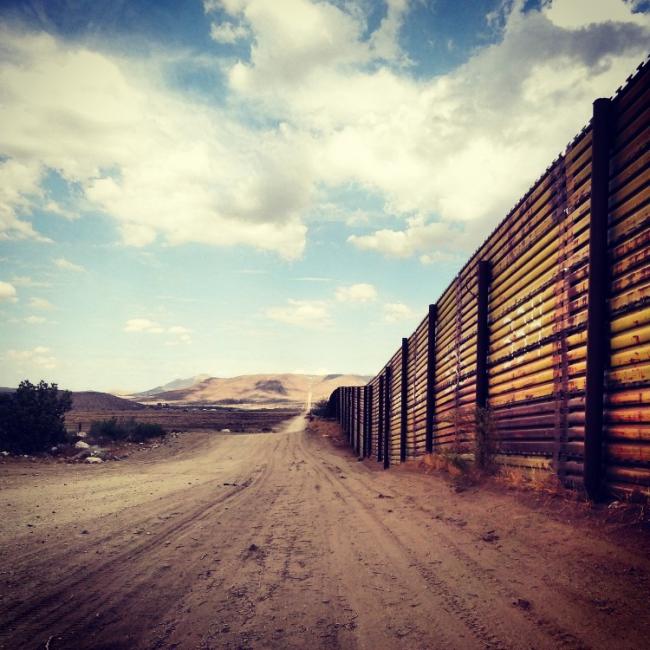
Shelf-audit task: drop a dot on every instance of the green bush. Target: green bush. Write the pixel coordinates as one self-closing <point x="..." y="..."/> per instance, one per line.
<point x="32" y="417"/>
<point x="145" y="430"/>
<point x="108" y="429"/>
<point x="321" y="409"/>
<point x="125" y="430"/>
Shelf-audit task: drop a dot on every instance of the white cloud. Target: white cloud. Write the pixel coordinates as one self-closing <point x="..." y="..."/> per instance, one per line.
<point x="180" y="334"/>
<point x="303" y="313"/>
<point x="26" y="281"/>
<point x="19" y="187"/>
<point x="397" y="311"/>
<point x="143" y="325"/>
<point x="64" y="264"/>
<point x="419" y="238"/>
<point x="161" y="166"/>
<point x="41" y="304"/>
<point x="574" y="14"/>
<point x="35" y="320"/>
<point x="53" y="207"/>
<point x="456" y="148"/>
<point x="39" y="356"/>
<point x="7" y="292"/>
<point x="227" y="32"/>
<point x="361" y="292"/>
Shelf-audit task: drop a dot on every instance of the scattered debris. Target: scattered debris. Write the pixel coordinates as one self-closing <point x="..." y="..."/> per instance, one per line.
<point x="225" y="431"/>
<point x="80" y="444"/>
<point x="384" y="496"/>
<point x="522" y="603"/>
<point x="490" y="536"/>
<point x="94" y="459"/>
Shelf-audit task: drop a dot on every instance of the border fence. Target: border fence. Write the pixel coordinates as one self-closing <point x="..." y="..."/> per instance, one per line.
<point x="543" y="338"/>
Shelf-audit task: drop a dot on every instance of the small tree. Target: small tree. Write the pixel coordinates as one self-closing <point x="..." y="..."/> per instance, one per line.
<point x="321" y="409"/>
<point x="32" y="418"/>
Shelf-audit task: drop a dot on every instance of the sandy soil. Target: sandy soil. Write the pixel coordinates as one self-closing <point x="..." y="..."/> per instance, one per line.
<point x="282" y="540"/>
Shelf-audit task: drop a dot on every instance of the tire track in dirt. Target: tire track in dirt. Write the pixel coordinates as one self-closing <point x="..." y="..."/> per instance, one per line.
<point x="481" y="621"/>
<point x="101" y="578"/>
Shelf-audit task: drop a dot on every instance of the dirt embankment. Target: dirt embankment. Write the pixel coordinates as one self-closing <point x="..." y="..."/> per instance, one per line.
<point x="282" y="540"/>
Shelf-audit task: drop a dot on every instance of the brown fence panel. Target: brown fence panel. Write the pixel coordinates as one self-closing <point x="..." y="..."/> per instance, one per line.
<point x="455" y="372"/>
<point x="417" y="390"/>
<point x="537" y="317"/>
<point x="374" y="417"/>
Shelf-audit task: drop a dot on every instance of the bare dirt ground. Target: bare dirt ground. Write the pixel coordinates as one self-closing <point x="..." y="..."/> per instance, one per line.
<point x="283" y="540"/>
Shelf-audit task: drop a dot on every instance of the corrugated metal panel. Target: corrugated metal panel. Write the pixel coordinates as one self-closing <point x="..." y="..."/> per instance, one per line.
<point x="538" y="315"/>
<point x="374" y="428"/>
<point x="627" y="397"/>
<point x="455" y="373"/>
<point x="417" y="390"/>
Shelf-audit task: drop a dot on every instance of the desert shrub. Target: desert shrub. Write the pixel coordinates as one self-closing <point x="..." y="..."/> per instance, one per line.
<point x="108" y="429"/>
<point x="131" y="430"/>
<point x="145" y="430"/>
<point x="474" y="434"/>
<point x="321" y="408"/>
<point x="484" y="440"/>
<point x="32" y="417"/>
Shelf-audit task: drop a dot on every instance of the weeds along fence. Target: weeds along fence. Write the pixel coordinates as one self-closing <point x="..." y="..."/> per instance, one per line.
<point x="545" y="331"/>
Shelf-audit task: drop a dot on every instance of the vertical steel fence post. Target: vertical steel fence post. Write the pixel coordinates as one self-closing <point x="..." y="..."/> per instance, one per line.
<point x="380" y="420"/>
<point x="597" y="326"/>
<point x="357" y="434"/>
<point x="403" y="426"/>
<point x="482" y="334"/>
<point x="351" y="417"/>
<point x="364" y="423"/>
<point x="387" y="409"/>
<point x="369" y="390"/>
<point x="431" y="375"/>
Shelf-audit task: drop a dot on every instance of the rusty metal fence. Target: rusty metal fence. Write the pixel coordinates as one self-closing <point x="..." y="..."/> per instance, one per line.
<point x="546" y="329"/>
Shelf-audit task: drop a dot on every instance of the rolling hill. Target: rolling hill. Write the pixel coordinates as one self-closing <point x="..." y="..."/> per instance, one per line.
<point x="95" y="401"/>
<point x="176" y="384"/>
<point x="263" y="389"/>
<point x="91" y="400"/>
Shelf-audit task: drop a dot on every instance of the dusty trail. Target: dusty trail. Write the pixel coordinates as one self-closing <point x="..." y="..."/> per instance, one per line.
<point x="280" y="540"/>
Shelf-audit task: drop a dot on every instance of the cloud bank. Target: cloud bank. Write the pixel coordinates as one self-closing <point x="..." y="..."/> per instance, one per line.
<point x="318" y="104"/>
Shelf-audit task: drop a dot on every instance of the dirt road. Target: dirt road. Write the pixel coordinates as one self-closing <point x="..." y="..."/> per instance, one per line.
<point x="281" y="540"/>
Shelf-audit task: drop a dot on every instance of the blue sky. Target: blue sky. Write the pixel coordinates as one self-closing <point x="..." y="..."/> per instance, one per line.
<point x="240" y="186"/>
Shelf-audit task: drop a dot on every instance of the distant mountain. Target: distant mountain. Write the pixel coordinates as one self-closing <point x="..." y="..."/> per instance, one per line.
<point x="267" y="389"/>
<point x="94" y="401"/>
<point x="176" y="384"/>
